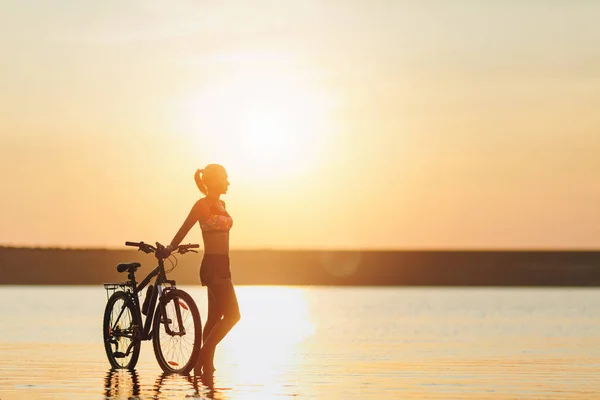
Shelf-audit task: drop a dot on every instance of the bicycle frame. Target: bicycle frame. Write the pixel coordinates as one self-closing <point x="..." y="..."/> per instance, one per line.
<point x="157" y="292"/>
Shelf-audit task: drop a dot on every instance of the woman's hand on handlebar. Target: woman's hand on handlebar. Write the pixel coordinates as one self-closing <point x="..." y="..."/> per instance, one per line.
<point x="163" y="251"/>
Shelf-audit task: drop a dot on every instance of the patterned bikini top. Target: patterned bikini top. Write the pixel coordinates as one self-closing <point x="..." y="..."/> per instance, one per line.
<point x="218" y="221"/>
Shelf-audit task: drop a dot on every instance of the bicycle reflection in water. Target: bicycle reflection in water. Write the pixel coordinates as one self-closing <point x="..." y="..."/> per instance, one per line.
<point x="121" y="384"/>
<point x="125" y="384"/>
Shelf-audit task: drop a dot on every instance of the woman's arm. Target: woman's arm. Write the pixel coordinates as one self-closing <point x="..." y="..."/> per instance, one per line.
<point x="197" y="213"/>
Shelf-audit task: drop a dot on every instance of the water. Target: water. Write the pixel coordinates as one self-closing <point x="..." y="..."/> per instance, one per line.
<point x="322" y="343"/>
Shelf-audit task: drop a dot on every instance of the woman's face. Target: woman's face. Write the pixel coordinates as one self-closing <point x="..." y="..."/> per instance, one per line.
<point x="218" y="182"/>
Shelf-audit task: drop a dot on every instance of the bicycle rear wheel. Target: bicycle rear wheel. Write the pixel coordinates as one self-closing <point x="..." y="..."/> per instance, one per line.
<point x="176" y="332"/>
<point x="120" y="328"/>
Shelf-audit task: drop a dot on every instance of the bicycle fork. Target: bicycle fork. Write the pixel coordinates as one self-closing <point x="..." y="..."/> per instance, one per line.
<point x="168" y="322"/>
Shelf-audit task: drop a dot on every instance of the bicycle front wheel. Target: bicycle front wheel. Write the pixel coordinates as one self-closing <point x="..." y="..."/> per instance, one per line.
<point x="120" y="328"/>
<point x="176" y="332"/>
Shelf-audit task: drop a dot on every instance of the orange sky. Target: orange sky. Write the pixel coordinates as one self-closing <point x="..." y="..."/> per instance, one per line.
<point x="343" y="124"/>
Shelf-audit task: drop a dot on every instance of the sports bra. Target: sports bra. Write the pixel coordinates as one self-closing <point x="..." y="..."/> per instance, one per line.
<point x="218" y="221"/>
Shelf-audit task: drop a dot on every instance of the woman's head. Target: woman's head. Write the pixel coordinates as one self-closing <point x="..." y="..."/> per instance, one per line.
<point x="212" y="179"/>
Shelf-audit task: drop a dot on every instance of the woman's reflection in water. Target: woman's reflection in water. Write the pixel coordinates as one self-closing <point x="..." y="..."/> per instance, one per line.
<point x="121" y="384"/>
<point x="204" y="387"/>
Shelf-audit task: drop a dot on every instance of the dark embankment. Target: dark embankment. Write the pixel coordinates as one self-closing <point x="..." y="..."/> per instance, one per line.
<point x="273" y="267"/>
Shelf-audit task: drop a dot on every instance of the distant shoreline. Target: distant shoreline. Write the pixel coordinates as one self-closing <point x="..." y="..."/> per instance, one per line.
<point x="81" y="266"/>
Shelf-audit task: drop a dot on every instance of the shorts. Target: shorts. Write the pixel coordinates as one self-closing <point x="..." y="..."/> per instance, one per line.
<point x="214" y="268"/>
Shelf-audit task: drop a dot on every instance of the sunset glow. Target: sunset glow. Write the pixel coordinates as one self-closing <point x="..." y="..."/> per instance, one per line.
<point x="362" y="126"/>
<point x="263" y="124"/>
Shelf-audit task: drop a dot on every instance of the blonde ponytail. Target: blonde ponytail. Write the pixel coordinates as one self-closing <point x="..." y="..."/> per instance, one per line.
<point x="199" y="182"/>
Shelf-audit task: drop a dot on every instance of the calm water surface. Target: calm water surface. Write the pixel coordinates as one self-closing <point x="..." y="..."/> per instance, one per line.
<point x="322" y="343"/>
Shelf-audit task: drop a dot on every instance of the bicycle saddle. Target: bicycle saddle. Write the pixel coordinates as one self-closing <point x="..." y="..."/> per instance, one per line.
<point x="128" y="266"/>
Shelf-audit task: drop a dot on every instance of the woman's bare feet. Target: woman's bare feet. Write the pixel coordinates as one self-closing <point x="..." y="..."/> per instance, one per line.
<point x="204" y="363"/>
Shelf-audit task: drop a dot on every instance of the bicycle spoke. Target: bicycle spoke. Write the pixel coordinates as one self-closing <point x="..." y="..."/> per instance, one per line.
<point x="121" y="334"/>
<point x="176" y="349"/>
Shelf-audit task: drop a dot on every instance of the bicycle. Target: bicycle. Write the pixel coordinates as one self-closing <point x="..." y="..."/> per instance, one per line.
<point x="172" y="318"/>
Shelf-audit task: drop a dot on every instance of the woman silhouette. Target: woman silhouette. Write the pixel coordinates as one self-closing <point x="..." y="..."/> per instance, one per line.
<point x="215" y="222"/>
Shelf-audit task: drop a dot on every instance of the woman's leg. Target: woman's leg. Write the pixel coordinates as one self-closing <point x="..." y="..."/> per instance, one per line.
<point x="225" y="301"/>
<point x="214" y="315"/>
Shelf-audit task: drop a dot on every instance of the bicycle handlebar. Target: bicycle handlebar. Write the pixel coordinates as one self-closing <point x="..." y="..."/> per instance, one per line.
<point x="148" y="248"/>
<point x="189" y="246"/>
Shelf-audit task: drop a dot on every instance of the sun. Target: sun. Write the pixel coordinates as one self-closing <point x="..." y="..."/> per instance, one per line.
<point x="261" y="124"/>
<point x="274" y="141"/>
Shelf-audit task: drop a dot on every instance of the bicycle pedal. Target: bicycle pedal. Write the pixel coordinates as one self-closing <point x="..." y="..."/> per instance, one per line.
<point x="118" y="354"/>
<point x="166" y="321"/>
